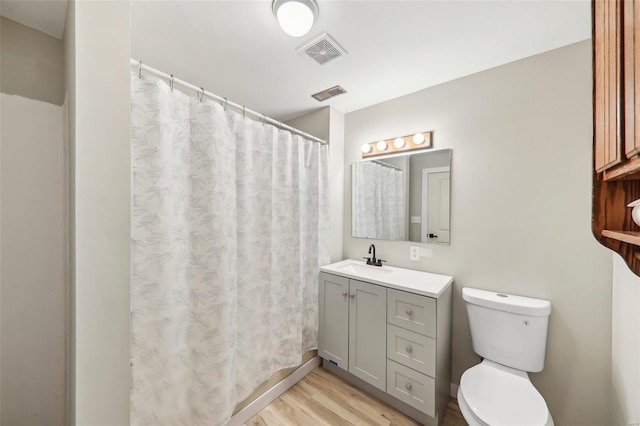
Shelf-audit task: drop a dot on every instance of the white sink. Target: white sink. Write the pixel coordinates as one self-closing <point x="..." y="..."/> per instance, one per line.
<point x="419" y="282"/>
<point x="363" y="268"/>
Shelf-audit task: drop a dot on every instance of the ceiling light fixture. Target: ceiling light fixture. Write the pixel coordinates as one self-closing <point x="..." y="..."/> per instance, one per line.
<point x="296" y="17"/>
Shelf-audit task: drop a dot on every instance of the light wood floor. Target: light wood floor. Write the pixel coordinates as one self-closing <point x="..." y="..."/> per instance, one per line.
<point x="322" y="398"/>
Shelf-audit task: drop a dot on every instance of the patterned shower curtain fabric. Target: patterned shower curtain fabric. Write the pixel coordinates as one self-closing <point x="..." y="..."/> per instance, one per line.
<point x="379" y="207"/>
<point x="229" y="228"/>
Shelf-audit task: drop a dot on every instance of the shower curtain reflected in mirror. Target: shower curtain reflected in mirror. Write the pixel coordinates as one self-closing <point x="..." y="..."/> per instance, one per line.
<point x="378" y="207"/>
<point x="229" y="226"/>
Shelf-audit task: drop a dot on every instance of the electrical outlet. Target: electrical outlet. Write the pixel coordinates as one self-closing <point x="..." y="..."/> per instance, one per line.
<point x="414" y="253"/>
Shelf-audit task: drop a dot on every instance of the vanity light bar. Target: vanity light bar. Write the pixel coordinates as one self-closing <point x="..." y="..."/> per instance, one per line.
<point x="395" y="145"/>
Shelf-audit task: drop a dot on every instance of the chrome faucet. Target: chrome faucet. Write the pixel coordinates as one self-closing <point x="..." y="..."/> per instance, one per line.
<point x="372" y="260"/>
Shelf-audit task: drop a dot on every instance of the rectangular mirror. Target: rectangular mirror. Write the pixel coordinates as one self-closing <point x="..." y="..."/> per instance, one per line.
<point x="402" y="198"/>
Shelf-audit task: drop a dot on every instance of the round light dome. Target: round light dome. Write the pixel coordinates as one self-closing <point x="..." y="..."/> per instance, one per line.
<point x="398" y="142"/>
<point x="382" y="145"/>
<point x="366" y="148"/>
<point x="296" y="17"/>
<point x="418" y="138"/>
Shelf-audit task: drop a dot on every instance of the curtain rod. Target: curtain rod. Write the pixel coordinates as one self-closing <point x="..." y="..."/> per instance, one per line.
<point x="200" y="92"/>
<point x="382" y="163"/>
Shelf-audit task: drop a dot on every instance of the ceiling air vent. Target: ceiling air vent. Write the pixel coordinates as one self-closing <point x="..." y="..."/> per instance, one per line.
<point x="322" y="49"/>
<point x="328" y="93"/>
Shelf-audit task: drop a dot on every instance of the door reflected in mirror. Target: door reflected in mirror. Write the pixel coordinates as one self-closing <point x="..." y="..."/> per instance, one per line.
<point x="403" y="198"/>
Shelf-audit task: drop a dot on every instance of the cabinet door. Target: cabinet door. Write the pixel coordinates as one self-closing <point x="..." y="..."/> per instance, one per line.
<point x="631" y="57"/>
<point x="333" y="330"/>
<point x="367" y="333"/>
<point x="607" y="94"/>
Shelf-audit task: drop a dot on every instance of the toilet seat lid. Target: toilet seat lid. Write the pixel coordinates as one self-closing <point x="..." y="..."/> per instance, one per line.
<point x="501" y="398"/>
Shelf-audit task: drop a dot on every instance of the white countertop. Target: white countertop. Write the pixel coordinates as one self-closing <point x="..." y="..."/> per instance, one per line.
<point x="419" y="282"/>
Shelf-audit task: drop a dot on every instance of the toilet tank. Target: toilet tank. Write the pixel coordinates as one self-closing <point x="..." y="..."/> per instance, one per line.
<point x="507" y="329"/>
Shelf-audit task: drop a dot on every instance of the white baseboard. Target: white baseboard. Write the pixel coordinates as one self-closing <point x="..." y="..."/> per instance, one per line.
<point x="454" y="391"/>
<point x="255" y="406"/>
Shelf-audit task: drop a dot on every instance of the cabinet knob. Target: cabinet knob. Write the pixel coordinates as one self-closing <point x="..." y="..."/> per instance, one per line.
<point x="409" y="312"/>
<point x="408" y="386"/>
<point x="352" y="296"/>
<point x="409" y="349"/>
<point x="344" y="293"/>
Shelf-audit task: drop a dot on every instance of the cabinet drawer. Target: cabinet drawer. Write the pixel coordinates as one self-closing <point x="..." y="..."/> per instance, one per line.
<point x="411" y="387"/>
<point x="411" y="349"/>
<point x="413" y="312"/>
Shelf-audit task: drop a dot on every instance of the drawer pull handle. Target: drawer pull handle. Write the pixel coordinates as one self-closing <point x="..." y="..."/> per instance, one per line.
<point x="409" y="349"/>
<point x="408" y="386"/>
<point x="352" y="296"/>
<point x="409" y="312"/>
<point x="344" y="293"/>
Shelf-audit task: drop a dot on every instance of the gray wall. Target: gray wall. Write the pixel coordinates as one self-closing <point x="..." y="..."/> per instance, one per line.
<point x="33" y="263"/>
<point x="69" y="50"/>
<point x="521" y="211"/>
<point x="97" y="54"/>
<point x="336" y="181"/>
<point x="32" y="63"/>
<point x="625" y="342"/>
<point x="32" y="310"/>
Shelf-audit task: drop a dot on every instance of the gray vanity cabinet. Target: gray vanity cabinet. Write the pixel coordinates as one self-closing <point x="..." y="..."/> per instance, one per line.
<point x="388" y="331"/>
<point x="352" y="314"/>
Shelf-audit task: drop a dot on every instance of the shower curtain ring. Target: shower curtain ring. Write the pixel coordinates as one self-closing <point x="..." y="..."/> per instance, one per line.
<point x="140" y="70"/>
<point x="244" y="112"/>
<point x="171" y="83"/>
<point x="226" y="101"/>
<point x="264" y="119"/>
<point x="201" y="95"/>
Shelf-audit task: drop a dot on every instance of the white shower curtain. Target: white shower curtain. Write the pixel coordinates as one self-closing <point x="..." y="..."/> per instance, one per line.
<point x="229" y="226"/>
<point x="378" y="201"/>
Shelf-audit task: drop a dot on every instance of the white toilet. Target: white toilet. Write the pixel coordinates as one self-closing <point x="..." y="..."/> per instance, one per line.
<point x="510" y="334"/>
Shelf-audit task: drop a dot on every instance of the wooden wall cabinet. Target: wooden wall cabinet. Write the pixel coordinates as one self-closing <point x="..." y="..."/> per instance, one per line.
<point x="616" y="126"/>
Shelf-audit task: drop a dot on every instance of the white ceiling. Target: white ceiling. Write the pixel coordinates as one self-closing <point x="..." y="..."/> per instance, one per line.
<point x="236" y="48"/>
<point x="47" y="16"/>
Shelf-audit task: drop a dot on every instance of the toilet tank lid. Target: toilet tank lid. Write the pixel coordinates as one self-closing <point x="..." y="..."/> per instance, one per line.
<point x="507" y="302"/>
